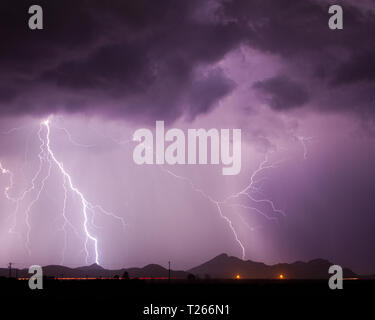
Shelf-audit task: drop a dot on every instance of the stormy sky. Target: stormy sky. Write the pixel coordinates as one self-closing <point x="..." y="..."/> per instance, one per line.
<point x="302" y="94"/>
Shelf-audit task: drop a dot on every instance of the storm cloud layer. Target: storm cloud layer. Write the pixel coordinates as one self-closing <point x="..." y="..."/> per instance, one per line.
<point x="158" y="59"/>
<point x="140" y="57"/>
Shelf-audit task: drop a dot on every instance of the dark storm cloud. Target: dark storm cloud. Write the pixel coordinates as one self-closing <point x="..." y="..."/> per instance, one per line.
<point x="332" y="63"/>
<point x="206" y="91"/>
<point x="117" y="58"/>
<point x="147" y="58"/>
<point x="360" y="68"/>
<point x="291" y="27"/>
<point x="282" y="93"/>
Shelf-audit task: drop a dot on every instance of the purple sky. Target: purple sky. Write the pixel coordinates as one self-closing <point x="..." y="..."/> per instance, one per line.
<point x="302" y="94"/>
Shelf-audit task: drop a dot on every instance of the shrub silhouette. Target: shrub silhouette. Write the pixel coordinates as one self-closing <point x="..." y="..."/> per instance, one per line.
<point x="125" y="275"/>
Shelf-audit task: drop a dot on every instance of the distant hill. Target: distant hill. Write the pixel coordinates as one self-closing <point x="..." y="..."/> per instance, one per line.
<point x="96" y="271"/>
<point x="222" y="266"/>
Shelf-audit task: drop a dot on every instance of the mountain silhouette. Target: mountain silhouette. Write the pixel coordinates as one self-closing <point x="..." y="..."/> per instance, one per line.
<point x="96" y="271"/>
<point x="224" y="266"/>
<point x="95" y="266"/>
<point x="221" y="267"/>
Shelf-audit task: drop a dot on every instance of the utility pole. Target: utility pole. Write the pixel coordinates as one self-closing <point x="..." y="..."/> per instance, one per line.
<point x="10" y="269"/>
<point x="169" y="271"/>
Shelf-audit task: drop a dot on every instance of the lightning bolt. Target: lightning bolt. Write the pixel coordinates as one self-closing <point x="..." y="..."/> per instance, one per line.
<point x="9" y="187"/>
<point x="252" y="187"/>
<point x="246" y="191"/>
<point x="73" y="141"/>
<point x="303" y="141"/>
<point x="216" y="203"/>
<point x="48" y="161"/>
<point x="42" y="158"/>
<point x="84" y="202"/>
<point x="12" y="130"/>
<point x="5" y="171"/>
<point x="86" y="205"/>
<point x="18" y="200"/>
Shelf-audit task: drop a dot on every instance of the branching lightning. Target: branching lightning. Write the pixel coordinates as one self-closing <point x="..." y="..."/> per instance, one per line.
<point x="48" y="161"/>
<point x="226" y="202"/>
<point x="72" y="141"/>
<point x="7" y="188"/>
<point x="248" y="192"/>
<point x="303" y="141"/>
<point x="18" y="200"/>
<point x="216" y="203"/>
<point x="252" y="187"/>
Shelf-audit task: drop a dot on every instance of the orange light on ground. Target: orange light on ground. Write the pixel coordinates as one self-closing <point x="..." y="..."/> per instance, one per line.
<point x="281" y="276"/>
<point x="238" y="276"/>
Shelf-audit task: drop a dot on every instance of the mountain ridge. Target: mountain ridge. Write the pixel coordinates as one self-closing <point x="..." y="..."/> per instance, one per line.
<point x="225" y="266"/>
<point x="222" y="266"/>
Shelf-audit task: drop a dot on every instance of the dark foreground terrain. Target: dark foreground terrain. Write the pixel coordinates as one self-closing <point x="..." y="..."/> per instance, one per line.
<point x="246" y="299"/>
